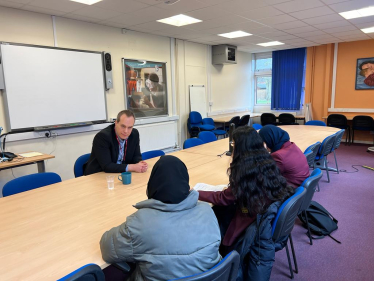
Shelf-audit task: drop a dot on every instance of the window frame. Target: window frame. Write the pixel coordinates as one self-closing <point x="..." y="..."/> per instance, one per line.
<point x="261" y="73"/>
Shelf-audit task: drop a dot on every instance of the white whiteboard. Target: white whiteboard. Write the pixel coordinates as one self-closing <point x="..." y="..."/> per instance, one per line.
<point x="51" y="86"/>
<point x="198" y="99"/>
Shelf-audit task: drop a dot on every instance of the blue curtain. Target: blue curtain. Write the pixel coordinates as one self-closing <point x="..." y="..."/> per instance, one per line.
<point x="287" y="79"/>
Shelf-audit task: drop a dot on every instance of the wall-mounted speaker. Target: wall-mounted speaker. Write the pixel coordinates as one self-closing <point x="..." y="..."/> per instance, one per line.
<point x="108" y="71"/>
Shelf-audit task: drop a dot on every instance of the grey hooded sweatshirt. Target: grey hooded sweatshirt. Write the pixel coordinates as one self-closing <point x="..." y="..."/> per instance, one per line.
<point x="165" y="241"/>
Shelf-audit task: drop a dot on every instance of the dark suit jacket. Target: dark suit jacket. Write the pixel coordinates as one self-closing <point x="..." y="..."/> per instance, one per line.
<point x="105" y="152"/>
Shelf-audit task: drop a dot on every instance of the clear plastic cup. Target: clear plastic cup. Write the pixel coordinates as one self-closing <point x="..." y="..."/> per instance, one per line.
<point x="110" y="182"/>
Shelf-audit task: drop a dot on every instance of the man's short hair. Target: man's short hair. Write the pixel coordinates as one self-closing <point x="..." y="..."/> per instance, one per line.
<point x="365" y="62"/>
<point x="126" y="112"/>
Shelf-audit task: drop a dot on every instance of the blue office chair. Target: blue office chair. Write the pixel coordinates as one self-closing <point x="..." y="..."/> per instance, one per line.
<point x="207" y="137"/>
<point x="225" y="270"/>
<point x="195" y="120"/>
<point x="310" y="185"/>
<point x="192" y="142"/>
<point x="210" y="121"/>
<point x="78" y="166"/>
<point x="152" y="153"/>
<point x="324" y="150"/>
<point x="287" y="119"/>
<point x="30" y="182"/>
<point x="362" y="123"/>
<point x="338" y="140"/>
<point x="88" y="272"/>
<point x="256" y="126"/>
<point x="315" y="123"/>
<point x="311" y="157"/>
<point x="285" y="221"/>
<point x="340" y="121"/>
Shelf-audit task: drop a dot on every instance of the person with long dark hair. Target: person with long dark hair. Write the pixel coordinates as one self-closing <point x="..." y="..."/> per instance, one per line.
<point x="171" y="235"/>
<point x="254" y="183"/>
<point x="289" y="158"/>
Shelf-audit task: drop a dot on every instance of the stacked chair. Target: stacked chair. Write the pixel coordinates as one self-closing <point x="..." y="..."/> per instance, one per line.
<point x="217" y="132"/>
<point x="195" y="124"/>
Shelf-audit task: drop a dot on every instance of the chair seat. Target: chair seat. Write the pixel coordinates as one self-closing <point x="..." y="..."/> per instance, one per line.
<point x="361" y="128"/>
<point x="219" y="132"/>
<point x="206" y="127"/>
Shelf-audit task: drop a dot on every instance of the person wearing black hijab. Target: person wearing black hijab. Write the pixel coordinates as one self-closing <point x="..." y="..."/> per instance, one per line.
<point x="171" y="235"/>
<point x="289" y="158"/>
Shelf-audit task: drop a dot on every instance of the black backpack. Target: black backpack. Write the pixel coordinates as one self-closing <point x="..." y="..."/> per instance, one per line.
<point x="321" y="222"/>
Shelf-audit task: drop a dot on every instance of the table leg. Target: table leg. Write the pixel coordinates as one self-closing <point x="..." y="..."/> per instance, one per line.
<point x="41" y="166"/>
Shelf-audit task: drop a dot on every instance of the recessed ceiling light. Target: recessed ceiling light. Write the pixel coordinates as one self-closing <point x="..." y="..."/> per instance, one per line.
<point x="179" y="20"/>
<point x="268" y="44"/>
<point x="235" y="34"/>
<point x="368" y="30"/>
<point x="87" y="2"/>
<point x="365" y="12"/>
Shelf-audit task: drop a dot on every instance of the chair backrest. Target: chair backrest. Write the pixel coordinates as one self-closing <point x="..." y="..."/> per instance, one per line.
<point x="78" y="166"/>
<point x="192" y="142"/>
<point x="152" y="153"/>
<point x="315" y="123"/>
<point x="256" y="126"/>
<point x="30" y="182"/>
<point x="310" y="185"/>
<point x="208" y="121"/>
<point x="338" y="138"/>
<point x="193" y="130"/>
<point x="309" y="156"/>
<point x="195" y="118"/>
<point x="286" y="118"/>
<point x="235" y="120"/>
<point x="337" y="120"/>
<point x="89" y="272"/>
<point x="287" y="213"/>
<point x="314" y="148"/>
<point x="362" y="122"/>
<point x="225" y="270"/>
<point x="327" y="146"/>
<point x="207" y="136"/>
<point x="244" y="120"/>
<point x="268" y="118"/>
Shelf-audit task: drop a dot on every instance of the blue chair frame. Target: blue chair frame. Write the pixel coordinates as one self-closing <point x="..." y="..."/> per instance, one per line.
<point x="210" y="121"/>
<point x="78" y="166"/>
<point x="87" y="272"/>
<point x="256" y="126"/>
<point x="207" y="136"/>
<point x="188" y="143"/>
<point x="30" y="182"/>
<point x="152" y="153"/>
<point x="315" y="123"/>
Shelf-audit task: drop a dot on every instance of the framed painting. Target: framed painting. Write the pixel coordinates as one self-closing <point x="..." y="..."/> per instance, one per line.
<point x="365" y="74"/>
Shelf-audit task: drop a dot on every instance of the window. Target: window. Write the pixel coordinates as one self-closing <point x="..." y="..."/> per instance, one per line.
<point x="145" y="87"/>
<point x="263" y="65"/>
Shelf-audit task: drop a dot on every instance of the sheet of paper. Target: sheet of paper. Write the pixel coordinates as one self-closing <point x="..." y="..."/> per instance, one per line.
<point x="208" y="187"/>
<point x="30" y="154"/>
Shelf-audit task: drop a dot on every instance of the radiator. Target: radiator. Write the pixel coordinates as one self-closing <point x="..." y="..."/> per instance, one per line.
<point x="157" y="135"/>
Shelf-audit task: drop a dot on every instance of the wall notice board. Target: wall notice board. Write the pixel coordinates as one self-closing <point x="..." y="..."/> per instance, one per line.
<point x="198" y="99"/>
<point x="47" y="86"/>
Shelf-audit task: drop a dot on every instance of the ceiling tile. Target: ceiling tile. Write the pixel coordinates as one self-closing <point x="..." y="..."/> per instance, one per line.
<point x="128" y="19"/>
<point x="356" y="39"/>
<point x="296" y="41"/>
<point x="123" y="6"/>
<point x="362" y="20"/>
<point x="340" y="29"/>
<point x="237" y="6"/>
<point x="349" y="33"/>
<point x="42" y="10"/>
<point x="322" y="37"/>
<point x="149" y="26"/>
<point x="351" y="5"/>
<point x="262" y="30"/>
<point x="312" y="33"/>
<point x="219" y="30"/>
<point x="280" y="38"/>
<point x="324" y="19"/>
<point x="329" y="2"/>
<point x="58" y="5"/>
<point x="213" y="2"/>
<point x="113" y="24"/>
<point x="183" y="6"/>
<point x="260" y="13"/>
<point x="217" y="22"/>
<point x="291" y="24"/>
<point x="365" y="25"/>
<point x="301" y="29"/>
<point x="152" y="13"/>
<point x="311" y="13"/>
<point x="249" y="25"/>
<point x="274" y="2"/>
<point x="211" y="38"/>
<point x="81" y="18"/>
<point x="97" y="13"/>
<point x="10" y="4"/>
<point x="149" y="2"/>
<point x="277" y="19"/>
<point x="19" y="1"/>
<point x="207" y="13"/>
<point x="332" y="24"/>
<point x="298" y="5"/>
<point x="353" y="36"/>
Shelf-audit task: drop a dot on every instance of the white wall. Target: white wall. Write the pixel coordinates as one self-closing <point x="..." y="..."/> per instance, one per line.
<point x="230" y="84"/>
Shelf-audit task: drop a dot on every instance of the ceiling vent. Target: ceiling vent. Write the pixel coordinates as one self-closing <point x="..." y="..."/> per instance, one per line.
<point x="224" y="54"/>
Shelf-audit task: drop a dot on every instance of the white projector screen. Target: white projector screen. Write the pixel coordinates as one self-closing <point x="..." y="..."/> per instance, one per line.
<point x="51" y="86"/>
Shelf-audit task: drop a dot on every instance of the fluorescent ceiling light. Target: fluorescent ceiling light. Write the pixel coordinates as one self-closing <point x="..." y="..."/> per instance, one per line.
<point x="235" y="34"/>
<point x="179" y="20"/>
<point x="365" y="12"/>
<point x="87" y="2"/>
<point x="268" y="44"/>
<point x="368" y="30"/>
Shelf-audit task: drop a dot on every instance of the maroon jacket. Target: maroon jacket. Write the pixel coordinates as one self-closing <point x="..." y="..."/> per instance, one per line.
<point x="241" y="220"/>
<point x="292" y="163"/>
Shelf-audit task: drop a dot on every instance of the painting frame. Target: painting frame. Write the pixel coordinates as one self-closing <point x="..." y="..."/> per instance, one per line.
<point x="364" y="74"/>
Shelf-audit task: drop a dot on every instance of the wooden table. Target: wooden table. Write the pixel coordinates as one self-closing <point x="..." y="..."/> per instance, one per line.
<point x="226" y="118"/>
<point x="23" y="161"/>
<point x="49" y="232"/>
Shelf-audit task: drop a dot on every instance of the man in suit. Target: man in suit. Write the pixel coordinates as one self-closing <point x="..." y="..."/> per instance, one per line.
<point x="116" y="149"/>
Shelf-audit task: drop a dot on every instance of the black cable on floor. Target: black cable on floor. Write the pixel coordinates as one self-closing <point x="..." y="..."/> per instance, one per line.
<point x="353" y="166"/>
